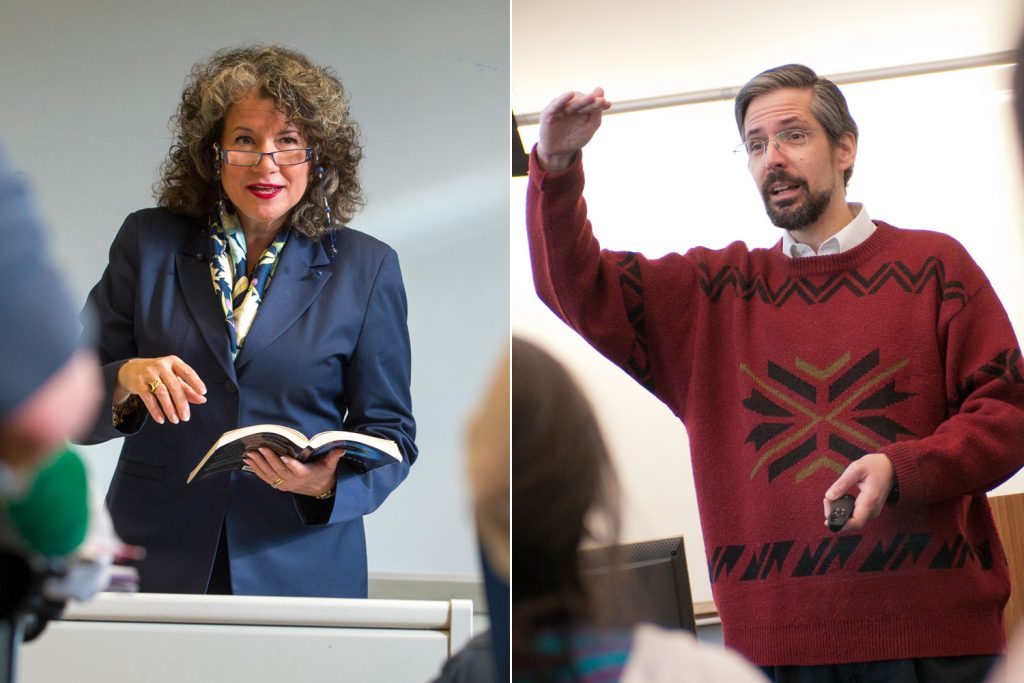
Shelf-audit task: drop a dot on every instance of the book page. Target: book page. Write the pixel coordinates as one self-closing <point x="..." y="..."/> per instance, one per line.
<point x="280" y="444"/>
<point x="348" y="440"/>
<point x="229" y="457"/>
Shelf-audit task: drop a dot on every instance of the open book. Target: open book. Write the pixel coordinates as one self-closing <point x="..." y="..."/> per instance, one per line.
<point x="362" y="451"/>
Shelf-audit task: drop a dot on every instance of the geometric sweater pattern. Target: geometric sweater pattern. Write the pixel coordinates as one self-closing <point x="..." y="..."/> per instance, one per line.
<point x="784" y="371"/>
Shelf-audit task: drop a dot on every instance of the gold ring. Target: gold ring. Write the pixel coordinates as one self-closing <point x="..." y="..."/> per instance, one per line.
<point x="154" y="385"/>
<point x="277" y="483"/>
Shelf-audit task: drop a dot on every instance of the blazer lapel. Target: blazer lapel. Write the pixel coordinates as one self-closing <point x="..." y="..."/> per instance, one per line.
<point x="300" y="275"/>
<point x="196" y="283"/>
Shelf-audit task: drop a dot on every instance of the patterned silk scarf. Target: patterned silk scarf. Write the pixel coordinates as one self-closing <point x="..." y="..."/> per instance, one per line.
<point x="239" y="297"/>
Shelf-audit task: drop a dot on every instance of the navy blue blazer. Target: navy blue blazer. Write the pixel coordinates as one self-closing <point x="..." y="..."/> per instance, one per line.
<point x="329" y="349"/>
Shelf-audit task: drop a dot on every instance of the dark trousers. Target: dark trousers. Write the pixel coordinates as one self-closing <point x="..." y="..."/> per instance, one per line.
<point x="972" y="669"/>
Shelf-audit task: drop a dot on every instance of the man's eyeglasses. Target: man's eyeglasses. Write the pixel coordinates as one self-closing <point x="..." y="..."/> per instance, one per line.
<point x="282" y="157"/>
<point x="756" y="147"/>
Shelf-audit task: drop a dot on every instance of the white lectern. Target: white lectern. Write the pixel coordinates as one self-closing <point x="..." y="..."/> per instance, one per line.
<point x="158" y="638"/>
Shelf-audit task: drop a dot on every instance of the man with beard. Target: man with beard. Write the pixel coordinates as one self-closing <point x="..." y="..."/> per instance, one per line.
<point x="853" y="357"/>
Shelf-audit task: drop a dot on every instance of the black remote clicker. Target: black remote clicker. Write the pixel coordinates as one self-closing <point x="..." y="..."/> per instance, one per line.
<point x="842" y="510"/>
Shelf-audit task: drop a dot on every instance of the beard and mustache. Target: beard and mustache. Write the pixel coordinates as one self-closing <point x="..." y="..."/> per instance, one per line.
<point x="783" y="214"/>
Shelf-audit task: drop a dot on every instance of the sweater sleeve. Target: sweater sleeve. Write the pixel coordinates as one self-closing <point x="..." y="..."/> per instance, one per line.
<point x="608" y="297"/>
<point x="981" y="443"/>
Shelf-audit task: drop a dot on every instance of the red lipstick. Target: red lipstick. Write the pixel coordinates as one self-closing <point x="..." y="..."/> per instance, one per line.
<point x="265" y="191"/>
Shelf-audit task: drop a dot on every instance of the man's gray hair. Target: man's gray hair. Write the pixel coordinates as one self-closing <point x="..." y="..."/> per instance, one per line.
<point x="828" y="104"/>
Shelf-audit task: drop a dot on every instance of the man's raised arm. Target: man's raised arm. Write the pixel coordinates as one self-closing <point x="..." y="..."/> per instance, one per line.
<point x="566" y="125"/>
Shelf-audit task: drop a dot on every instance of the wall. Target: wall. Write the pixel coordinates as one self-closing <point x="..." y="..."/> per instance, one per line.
<point x="88" y="91"/>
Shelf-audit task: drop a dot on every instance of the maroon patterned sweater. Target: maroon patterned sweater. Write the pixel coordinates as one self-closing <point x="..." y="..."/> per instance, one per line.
<point x="784" y="371"/>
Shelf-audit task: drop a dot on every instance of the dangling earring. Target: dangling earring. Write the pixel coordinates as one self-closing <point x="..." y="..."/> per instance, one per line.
<point x="216" y="174"/>
<point x="332" y="250"/>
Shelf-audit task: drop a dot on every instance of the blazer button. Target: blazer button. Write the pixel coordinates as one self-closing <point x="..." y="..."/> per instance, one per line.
<point x="230" y="387"/>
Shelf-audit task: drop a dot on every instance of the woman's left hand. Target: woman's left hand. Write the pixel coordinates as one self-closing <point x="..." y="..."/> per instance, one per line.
<point x="314" y="478"/>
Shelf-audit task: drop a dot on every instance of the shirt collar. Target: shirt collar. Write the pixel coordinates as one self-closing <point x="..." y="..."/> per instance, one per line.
<point x="855" y="232"/>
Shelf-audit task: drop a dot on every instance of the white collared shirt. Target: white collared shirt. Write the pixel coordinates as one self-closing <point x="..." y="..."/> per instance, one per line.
<point x="855" y="232"/>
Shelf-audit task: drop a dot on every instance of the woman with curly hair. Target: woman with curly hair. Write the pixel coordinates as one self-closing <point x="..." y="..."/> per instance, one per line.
<point x="244" y="299"/>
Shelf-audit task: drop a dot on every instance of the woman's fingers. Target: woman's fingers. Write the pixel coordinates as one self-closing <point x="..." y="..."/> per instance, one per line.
<point x="166" y="385"/>
<point x="288" y="474"/>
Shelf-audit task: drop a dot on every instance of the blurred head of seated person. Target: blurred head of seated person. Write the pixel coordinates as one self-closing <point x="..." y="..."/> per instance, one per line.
<point x="487" y="463"/>
<point x="485" y="657"/>
<point x="564" y="491"/>
<point x="244" y="299"/>
<point x="488" y="454"/>
<point x="49" y="388"/>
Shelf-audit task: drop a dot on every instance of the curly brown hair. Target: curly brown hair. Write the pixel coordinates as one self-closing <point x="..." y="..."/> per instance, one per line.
<point x="310" y="95"/>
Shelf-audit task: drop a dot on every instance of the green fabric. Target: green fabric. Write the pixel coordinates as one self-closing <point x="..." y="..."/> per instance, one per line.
<point x="53" y="516"/>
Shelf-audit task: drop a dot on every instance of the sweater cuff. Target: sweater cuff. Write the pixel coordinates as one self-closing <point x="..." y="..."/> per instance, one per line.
<point x="571" y="179"/>
<point x="906" y="472"/>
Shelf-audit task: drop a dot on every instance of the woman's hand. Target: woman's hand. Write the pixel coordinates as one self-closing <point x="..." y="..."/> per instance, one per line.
<point x="166" y="386"/>
<point x="314" y="478"/>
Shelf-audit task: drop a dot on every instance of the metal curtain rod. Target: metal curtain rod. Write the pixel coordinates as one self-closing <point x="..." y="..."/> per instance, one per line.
<point x="718" y="94"/>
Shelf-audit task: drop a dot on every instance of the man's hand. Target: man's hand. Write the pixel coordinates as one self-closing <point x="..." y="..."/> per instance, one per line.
<point x="873" y="475"/>
<point x="566" y="125"/>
